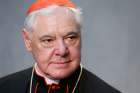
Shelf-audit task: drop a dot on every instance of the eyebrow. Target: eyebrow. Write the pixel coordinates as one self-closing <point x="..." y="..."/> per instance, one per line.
<point x="69" y="33"/>
<point x="72" y="33"/>
<point x="45" y="36"/>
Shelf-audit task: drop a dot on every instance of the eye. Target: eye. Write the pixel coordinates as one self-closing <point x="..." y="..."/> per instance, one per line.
<point x="49" y="40"/>
<point x="72" y="37"/>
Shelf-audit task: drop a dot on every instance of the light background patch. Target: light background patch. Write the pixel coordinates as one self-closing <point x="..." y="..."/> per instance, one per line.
<point x="111" y="40"/>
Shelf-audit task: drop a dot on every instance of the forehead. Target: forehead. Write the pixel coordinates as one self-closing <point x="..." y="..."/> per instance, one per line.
<point x="59" y="20"/>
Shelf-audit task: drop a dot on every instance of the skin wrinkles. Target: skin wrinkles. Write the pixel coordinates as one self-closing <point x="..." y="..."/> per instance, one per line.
<point x="55" y="44"/>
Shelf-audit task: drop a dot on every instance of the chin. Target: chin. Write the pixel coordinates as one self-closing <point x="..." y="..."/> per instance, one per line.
<point x="61" y="74"/>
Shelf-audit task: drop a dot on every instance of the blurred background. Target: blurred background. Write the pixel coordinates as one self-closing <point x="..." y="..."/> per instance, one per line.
<point x="111" y="40"/>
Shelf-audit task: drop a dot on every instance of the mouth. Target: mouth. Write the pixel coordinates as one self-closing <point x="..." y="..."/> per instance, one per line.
<point x="60" y="63"/>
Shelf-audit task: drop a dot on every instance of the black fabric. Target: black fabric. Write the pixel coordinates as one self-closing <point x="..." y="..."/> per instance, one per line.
<point x="89" y="83"/>
<point x="16" y="83"/>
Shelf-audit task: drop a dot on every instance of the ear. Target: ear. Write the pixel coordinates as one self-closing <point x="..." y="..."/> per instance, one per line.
<point x="27" y="40"/>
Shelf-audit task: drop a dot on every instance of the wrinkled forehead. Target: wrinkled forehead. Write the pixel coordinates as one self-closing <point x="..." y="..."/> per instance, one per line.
<point x="58" y="13"/>
<point x="58" y="23"/>
<point x="54" y="12"/>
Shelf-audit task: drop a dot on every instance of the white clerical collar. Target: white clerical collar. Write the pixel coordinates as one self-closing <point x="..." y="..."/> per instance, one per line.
<point x="48" y="80"/>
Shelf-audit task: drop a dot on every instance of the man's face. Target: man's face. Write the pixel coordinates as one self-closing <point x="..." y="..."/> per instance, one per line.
<point x="56" y="44"/>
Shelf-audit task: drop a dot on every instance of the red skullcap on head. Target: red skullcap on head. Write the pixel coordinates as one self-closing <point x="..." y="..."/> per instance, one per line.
<point x="45" y="3"/>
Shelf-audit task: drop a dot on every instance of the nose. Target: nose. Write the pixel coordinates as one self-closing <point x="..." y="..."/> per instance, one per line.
<point x="61" y="48"/>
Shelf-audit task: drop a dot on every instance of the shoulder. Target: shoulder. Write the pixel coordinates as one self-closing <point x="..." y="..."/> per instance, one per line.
<point x="16" y="76"/>
<point x="15" y="80"/>
<point x="94" y="84"/>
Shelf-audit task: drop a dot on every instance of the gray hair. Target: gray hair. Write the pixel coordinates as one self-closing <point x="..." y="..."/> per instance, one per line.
<point x="29" y="20"/>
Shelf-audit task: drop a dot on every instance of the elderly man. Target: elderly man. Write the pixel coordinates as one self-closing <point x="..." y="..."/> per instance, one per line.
<point x="52" y="34"/>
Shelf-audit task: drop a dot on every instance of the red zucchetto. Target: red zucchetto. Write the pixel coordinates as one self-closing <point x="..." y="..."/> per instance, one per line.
<point x="45" y="3"/>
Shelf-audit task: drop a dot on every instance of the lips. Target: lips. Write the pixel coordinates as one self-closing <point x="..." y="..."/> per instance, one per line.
<point x="60" y="62"/>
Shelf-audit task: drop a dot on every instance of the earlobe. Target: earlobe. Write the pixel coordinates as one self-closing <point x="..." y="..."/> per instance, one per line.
<point x="27" y="40"/>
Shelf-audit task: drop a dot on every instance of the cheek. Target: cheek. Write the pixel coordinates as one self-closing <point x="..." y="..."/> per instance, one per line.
<point x="43" y="56"/>
<point x="76" y="50"/>
<point x="75" y="53"/>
